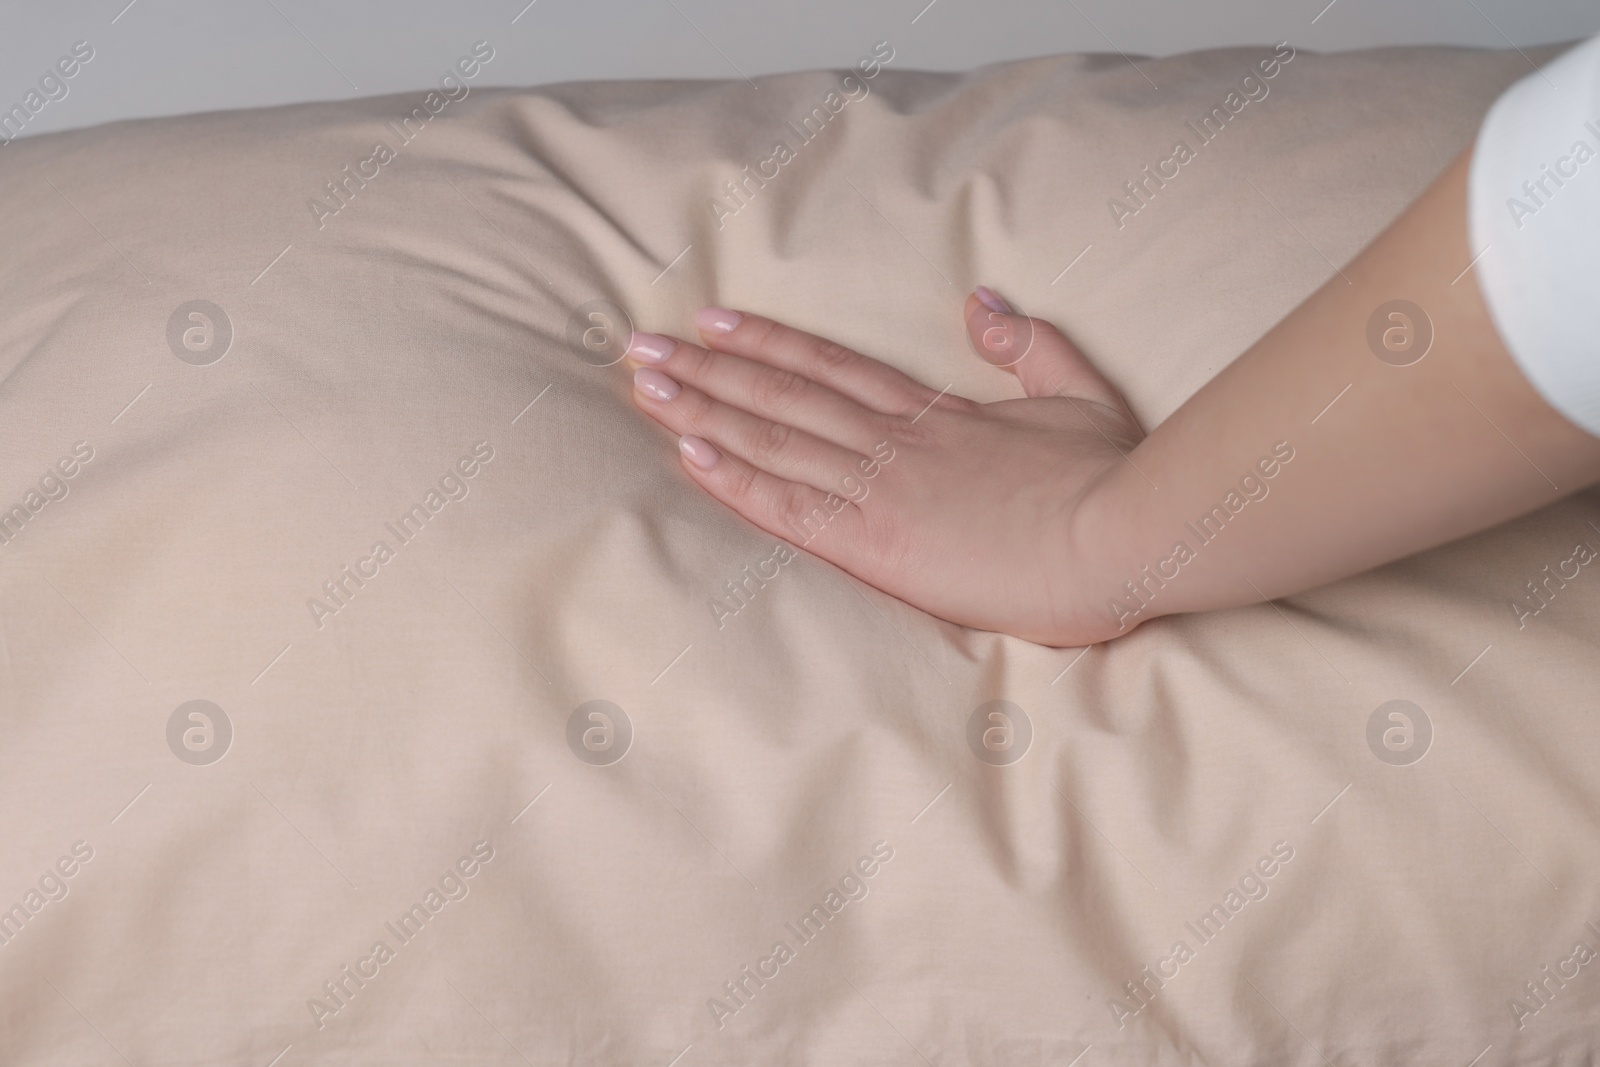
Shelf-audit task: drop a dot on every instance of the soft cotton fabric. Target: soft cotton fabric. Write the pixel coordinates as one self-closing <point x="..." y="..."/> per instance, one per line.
<point x="417" y="763"/>
<point x="1534" y="207"/>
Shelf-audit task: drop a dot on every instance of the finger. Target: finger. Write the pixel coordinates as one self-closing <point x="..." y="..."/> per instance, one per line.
<point x="824" y="524"/>
<point x="1035" y="351"/>
<point x="866" y="381"/>
<point x="774" y="447"/>
<point x="779" y="395"/>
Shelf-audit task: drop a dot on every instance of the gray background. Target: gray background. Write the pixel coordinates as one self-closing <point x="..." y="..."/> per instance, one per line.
<point x="165" y="57"/>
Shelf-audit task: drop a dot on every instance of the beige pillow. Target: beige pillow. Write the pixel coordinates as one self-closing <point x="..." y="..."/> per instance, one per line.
<point x="220" y="400"/>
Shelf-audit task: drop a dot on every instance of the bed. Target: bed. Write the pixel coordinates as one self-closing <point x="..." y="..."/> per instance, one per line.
<point x="376" y="688"/>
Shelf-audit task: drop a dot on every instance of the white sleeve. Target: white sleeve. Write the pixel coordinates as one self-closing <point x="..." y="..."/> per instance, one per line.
<point x="1533" y="211"/>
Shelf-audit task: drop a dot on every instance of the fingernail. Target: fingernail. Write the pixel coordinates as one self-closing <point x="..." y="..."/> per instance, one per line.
<point x="654" y="383"/>
<point x="699" y="451"/>
<point x="717" y="320"/>
<point x="991" y="300"/>
<point x="650" y="347"/>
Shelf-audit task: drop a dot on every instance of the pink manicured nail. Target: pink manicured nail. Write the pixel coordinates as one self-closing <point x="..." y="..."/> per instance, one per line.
<point x="717" y="320"/>
<point x="991" y="300"/>
<point x="654" y="383"/>
<point x="650" y="347"/>
<point x="699" y="451"/>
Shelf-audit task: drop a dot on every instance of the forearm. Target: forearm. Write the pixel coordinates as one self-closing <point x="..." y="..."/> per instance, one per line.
<point x="1386" y="460"/>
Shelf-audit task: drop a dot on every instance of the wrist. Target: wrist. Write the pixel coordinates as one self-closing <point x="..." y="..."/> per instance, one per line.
<point x="1112" y="588"/>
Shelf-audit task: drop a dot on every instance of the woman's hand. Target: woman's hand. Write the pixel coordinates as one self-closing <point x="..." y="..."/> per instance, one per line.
<point x="1029" y="517"/>
<point x="968" y="511"/>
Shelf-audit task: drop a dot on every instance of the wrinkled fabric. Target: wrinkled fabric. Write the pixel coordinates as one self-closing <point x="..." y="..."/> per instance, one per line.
<point x="357" y="480"/>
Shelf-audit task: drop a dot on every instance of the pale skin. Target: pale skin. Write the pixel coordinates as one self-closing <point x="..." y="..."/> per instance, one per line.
<point x="1031" y="516"/>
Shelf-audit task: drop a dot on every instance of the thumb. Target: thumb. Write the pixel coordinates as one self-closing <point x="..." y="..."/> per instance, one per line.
<point x="1035" y="351"/>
